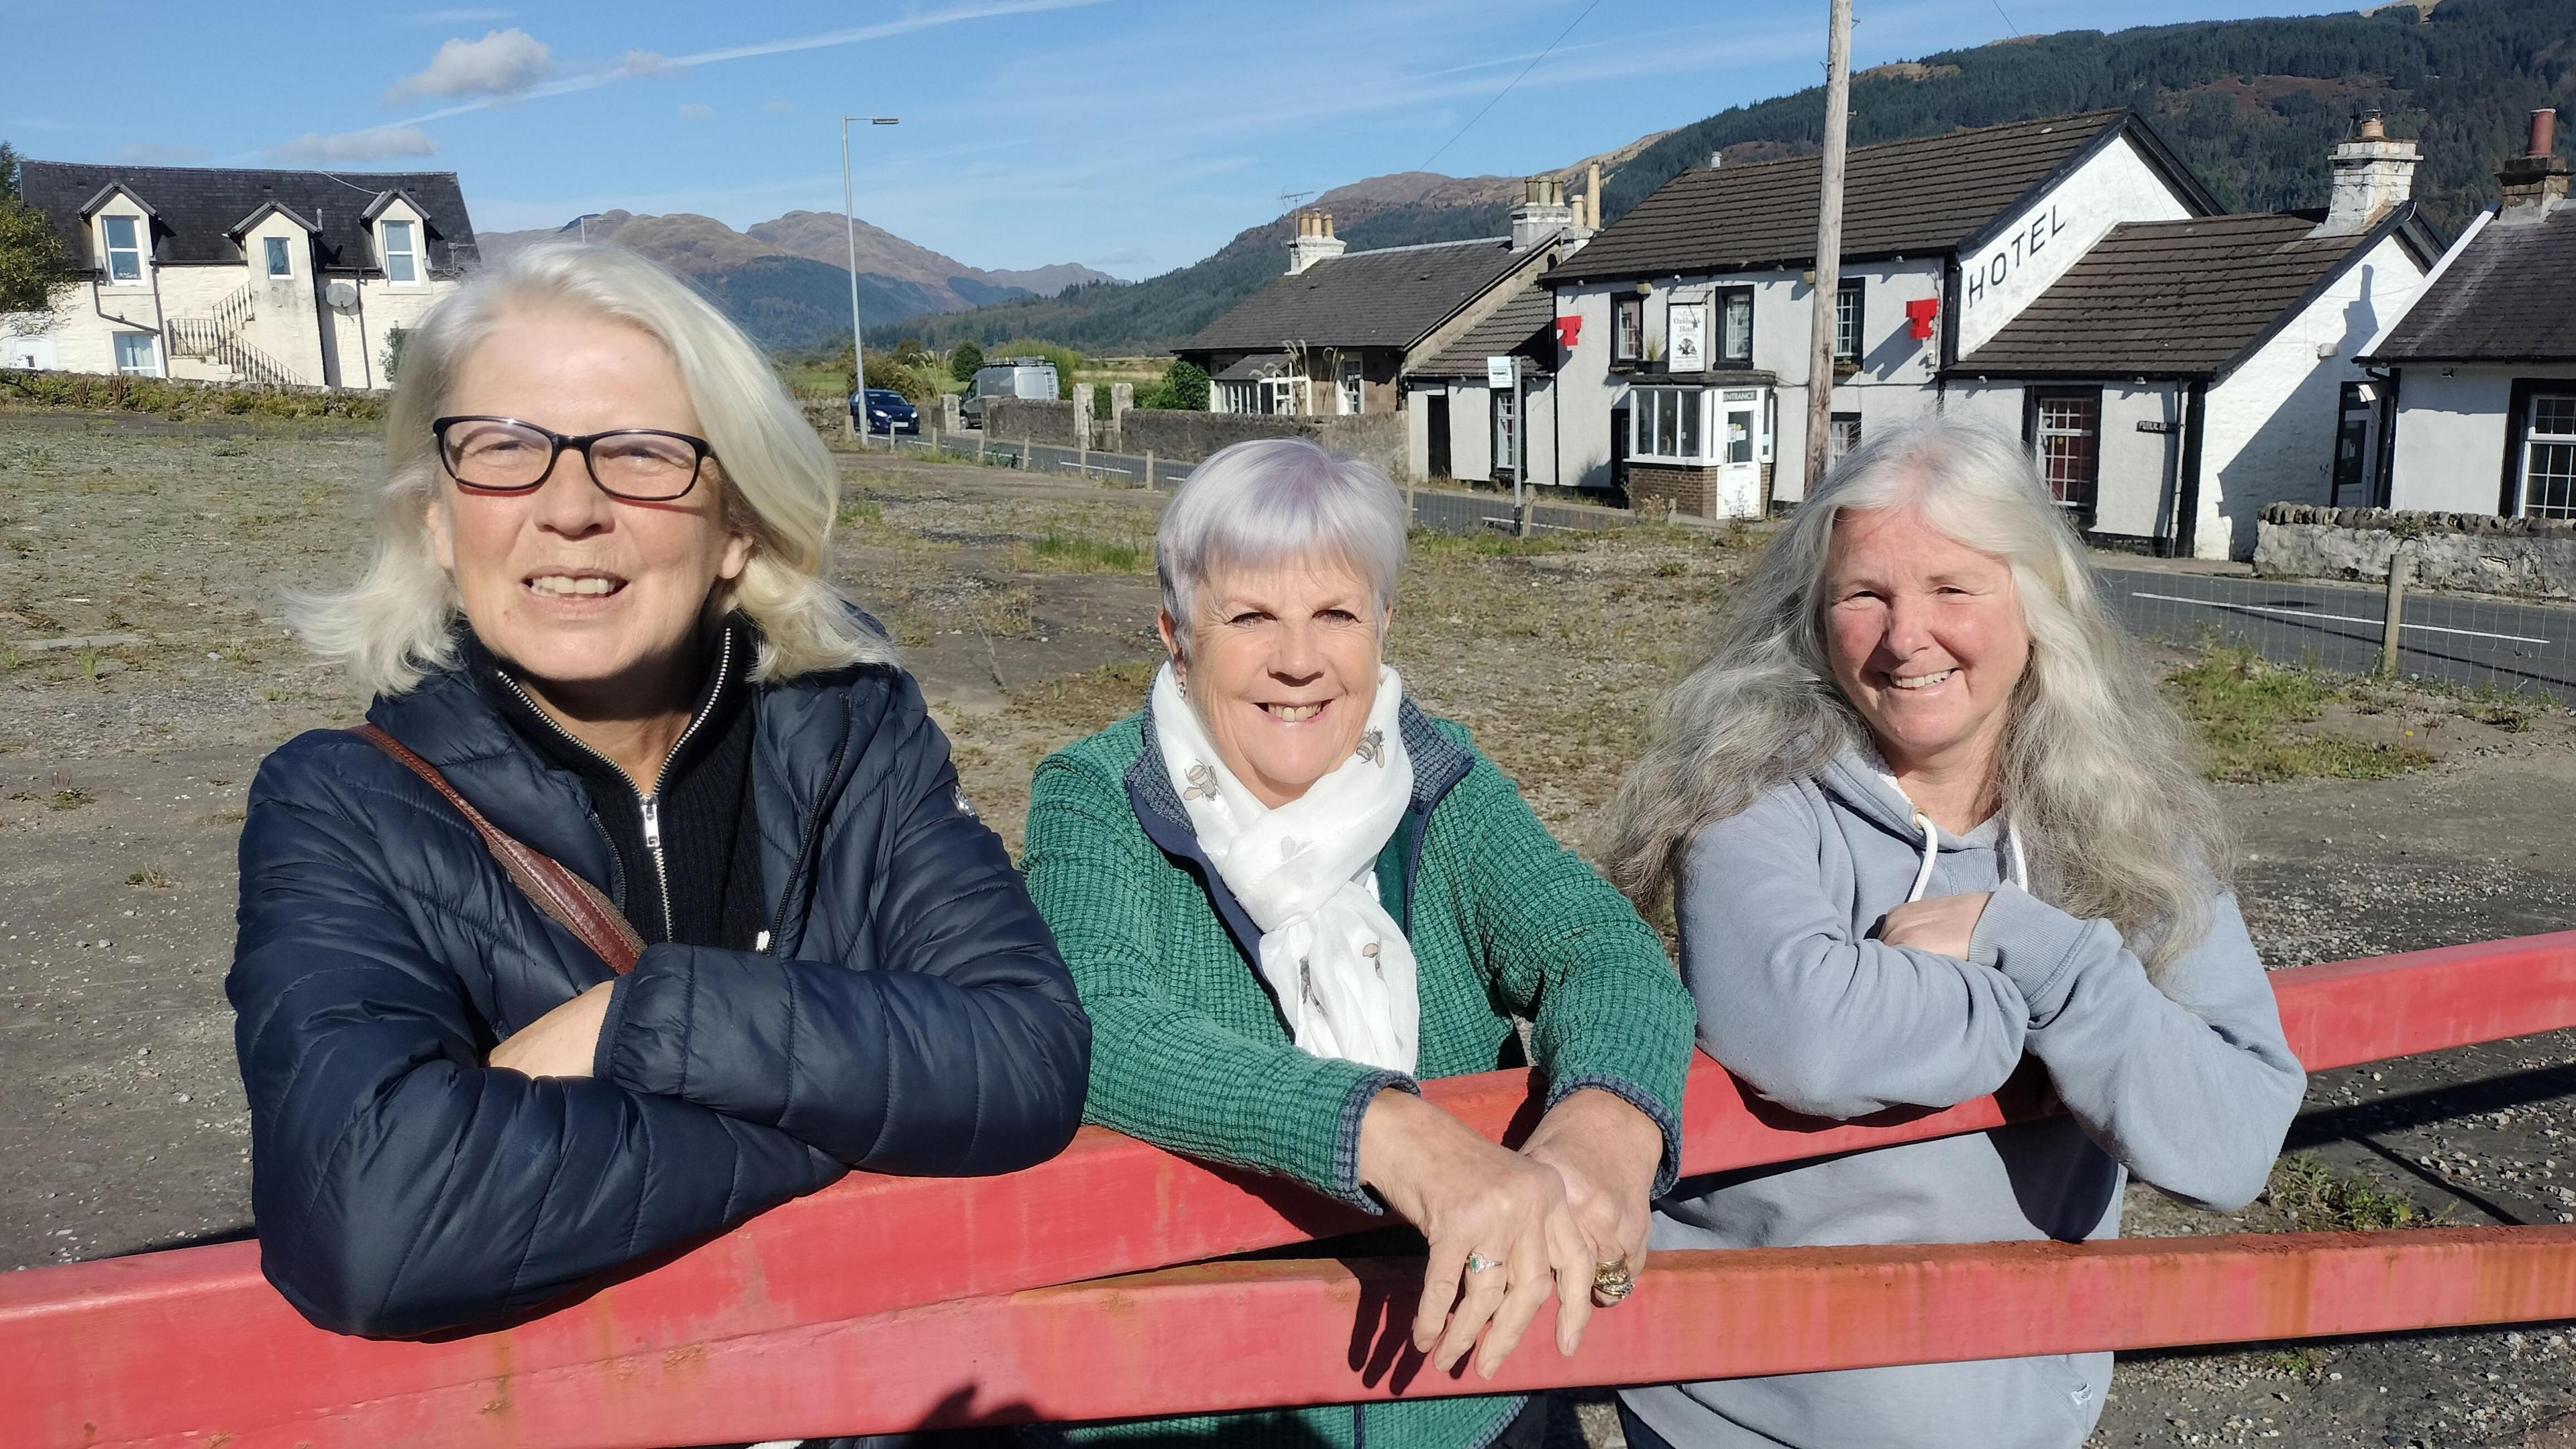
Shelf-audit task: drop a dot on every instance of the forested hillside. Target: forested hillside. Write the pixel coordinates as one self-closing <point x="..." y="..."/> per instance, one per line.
<point x="2253" y="105"/>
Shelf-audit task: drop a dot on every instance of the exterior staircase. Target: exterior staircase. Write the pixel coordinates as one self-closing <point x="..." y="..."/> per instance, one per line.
<point x="217" y="337"/>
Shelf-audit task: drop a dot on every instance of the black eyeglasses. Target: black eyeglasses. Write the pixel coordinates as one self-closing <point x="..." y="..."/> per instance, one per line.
<point x="505" y="455"/>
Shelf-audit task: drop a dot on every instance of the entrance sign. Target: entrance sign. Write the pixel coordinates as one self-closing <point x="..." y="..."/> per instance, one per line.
<point x="1502" y="372"/>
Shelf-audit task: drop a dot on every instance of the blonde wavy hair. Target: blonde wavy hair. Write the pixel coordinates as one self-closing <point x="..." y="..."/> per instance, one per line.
<point x="396" y="624"/>
<point x="2100" y="775"/>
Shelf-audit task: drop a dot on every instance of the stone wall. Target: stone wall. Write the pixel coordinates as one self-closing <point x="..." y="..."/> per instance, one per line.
<point x="2472" y="552"/>
<point x="1186" y="437"/>
<point x="1020" y="419"/>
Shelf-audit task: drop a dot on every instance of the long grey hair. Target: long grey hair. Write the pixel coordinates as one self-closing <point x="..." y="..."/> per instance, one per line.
<point x="2099" y="774"/>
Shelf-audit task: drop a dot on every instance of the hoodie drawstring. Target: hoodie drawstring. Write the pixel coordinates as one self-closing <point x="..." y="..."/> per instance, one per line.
<point x="1932" y="852"/>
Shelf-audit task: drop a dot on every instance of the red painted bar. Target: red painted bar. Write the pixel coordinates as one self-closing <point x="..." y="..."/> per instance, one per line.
<point x="140" y="1348"/>
<point x="1245" y="1335"/>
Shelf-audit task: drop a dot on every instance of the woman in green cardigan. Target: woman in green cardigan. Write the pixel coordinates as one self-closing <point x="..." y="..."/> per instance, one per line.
<point x="1288" y="896"/>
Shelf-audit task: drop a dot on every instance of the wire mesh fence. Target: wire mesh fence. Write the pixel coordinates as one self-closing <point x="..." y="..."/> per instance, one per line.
<point x="2458" y="641"/>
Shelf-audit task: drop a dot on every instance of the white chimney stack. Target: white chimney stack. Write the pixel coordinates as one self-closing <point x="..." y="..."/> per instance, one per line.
<point x="1314" y="241"/>
<point x="1543" y="214"/>
<point x="2373" y="175"/>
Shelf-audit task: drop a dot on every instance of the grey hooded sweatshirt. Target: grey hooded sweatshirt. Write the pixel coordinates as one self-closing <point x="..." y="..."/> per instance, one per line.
<point x="2190" y="1086"/>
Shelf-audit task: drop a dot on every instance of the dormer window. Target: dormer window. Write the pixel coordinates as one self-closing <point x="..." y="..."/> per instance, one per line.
<point x="400" y="244"/>
<point x="124" y="248"/>
<point x="274" y="254"/>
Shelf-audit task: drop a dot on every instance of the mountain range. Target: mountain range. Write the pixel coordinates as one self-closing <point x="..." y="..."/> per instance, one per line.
<point x="787" y="280"/>
<point x="2253" y="106"/>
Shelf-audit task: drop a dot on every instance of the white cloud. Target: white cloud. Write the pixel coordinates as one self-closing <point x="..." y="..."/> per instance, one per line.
<point x="383" y="143"/>
<point x="696" y="112"/>
<point x="645" y="62"/>
<point x="503" y="63"/>
<point x="147" y="153"/>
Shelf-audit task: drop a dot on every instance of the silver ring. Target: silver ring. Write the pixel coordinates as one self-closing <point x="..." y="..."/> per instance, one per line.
<point x="1479" y="1263"/>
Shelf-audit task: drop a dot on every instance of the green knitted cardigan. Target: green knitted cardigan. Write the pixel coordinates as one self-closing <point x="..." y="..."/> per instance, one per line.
<point x="1190" y="1052"/>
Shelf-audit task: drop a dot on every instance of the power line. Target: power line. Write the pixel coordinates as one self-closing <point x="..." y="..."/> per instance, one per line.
<point x="2008" y="25"/>
<point x="1507" y="90"/>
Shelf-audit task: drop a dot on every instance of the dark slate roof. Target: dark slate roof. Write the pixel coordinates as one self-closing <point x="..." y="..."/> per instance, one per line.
<point x="1931" y="195"/>
<point x="2174" y="297"/>
<point x="1387" y="298"/>
<point x="1522" y="325"/>
<point x="195" y="208"/>
<point x="2505" y="298"/>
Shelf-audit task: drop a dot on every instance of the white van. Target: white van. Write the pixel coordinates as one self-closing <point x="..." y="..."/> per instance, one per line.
<point x="1024" y="377"/>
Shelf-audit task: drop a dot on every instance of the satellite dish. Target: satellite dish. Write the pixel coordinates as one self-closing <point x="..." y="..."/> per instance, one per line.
<point x="342" y="295"/>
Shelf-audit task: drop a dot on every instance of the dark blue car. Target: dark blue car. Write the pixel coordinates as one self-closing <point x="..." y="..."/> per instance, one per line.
<point x="887" y="412"/>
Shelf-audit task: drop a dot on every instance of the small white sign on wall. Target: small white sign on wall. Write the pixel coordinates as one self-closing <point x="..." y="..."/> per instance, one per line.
<point x="1686" y="337"/>
<point x="1501" y="372"/>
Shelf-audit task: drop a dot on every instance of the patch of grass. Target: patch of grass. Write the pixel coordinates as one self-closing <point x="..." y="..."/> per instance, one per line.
<point x="862" y="511"/>
<point x="150" y="878"/>
<point x="1671" y="568"/>
<point x="90" y="660"/>
<point x="1084" y="703"/>
<point x="186" y="399"/>
<point x="70" y="797"/>
<point x="1432" y="544"/>
<point x="2320" y="1199"/>
<point x="1080" y="553"/>
<point x="2301" y="1363"/>
<point x="2244" y="709"/>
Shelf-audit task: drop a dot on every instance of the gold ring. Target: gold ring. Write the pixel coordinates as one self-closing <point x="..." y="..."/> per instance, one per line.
<point x="1612" y="1282"/>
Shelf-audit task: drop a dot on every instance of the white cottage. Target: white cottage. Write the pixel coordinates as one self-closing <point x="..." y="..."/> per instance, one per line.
<point x="1685" y="379"/>
<point x="273" y="277"/>
<point x="2479" y="378"/>
<point x="2183" y="374"/>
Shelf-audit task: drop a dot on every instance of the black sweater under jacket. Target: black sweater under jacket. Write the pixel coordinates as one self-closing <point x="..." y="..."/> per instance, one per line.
<point x="909" y="1013"/>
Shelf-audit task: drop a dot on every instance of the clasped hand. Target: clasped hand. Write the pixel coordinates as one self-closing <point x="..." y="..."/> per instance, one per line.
<point x="1546" y="1217"/>
<point x="560" y="1043"/>
<point x="1943" y="925"/>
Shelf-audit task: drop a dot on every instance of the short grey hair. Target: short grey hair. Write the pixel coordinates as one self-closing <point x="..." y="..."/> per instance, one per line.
<point x="1276" y="501"/>
<point x="395" y="625"/>
<point x="2098" y="772"/>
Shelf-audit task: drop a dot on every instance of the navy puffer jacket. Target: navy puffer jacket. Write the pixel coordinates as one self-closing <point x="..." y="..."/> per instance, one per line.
<point x="909" y="1014"/>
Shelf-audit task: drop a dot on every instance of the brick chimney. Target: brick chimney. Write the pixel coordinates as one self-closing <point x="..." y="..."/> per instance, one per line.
<point x="1314" y="241"/>
<point x="2372" y="176"/>
<point x="1543" y="214"/>
<point x="2535" y="183"/>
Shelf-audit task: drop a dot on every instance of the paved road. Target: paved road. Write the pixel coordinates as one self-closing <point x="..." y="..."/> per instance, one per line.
<point x="2527" y="648"/>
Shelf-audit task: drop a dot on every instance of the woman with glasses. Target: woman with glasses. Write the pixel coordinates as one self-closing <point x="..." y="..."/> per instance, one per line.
<point x="597" y="609"/>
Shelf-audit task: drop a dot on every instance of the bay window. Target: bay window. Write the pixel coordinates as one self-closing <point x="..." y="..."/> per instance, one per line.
<point x="1669" y="425"/>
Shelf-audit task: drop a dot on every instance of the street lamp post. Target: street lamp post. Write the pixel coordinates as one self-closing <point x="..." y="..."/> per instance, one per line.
<point x="850" y="224"/>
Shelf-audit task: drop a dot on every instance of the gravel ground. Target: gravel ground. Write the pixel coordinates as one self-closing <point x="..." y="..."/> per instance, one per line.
<point x="144" y="671"/>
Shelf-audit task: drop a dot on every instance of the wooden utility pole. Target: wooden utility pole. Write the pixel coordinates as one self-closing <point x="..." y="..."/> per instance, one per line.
<point x="1829" y="251"/>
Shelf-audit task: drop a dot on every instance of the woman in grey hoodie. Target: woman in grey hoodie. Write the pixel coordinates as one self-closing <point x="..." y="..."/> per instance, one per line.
<point x="1923" y="817"/>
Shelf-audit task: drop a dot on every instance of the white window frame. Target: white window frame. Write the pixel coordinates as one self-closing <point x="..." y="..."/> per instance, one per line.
<point x="1353" y="387"/>
<point x="1627" y="329"/>
<point x="121" y="343"/>
<point x="277" y="259"/>
<point x="2535" y="438"/>
<point x="139" y="248"/>
<point x="1721" y="340"/>
<point x="1851" y="318"/>
<point x="1688" y="408"/>
<point x="1506" y="413"/>
<point x="410" y="251"/>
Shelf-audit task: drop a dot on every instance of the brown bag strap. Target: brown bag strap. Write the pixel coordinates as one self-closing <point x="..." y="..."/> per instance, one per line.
<point x="568" y="900"/>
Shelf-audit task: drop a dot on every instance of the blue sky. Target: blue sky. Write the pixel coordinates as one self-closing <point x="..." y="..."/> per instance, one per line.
<point x="1133" y="135"/>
